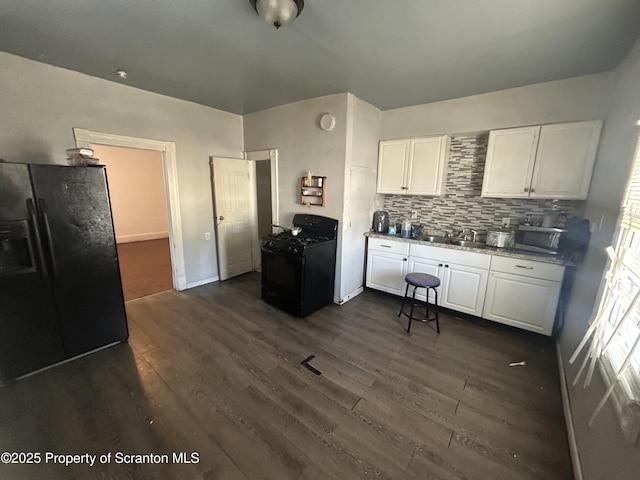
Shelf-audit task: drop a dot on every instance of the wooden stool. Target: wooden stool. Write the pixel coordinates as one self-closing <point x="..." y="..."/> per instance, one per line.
<point x="426" y="281"/>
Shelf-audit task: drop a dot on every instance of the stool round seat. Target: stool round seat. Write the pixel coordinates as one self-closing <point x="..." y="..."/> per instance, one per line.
<point x="422" y="280"/>
<point x="428" y="282"/>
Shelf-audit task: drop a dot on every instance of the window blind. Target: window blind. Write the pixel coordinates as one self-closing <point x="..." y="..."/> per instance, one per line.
<point x="631" y="206"/>
<point x="614" y="333"/>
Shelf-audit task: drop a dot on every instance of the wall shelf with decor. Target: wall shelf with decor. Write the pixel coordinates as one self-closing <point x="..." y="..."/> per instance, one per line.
<point x="313" y="190"/>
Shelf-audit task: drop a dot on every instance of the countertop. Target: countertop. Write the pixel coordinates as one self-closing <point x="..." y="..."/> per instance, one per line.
<point x="502" y="252"/>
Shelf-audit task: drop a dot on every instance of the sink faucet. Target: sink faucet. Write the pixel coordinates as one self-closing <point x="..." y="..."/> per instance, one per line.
<point x="460" y="234"/>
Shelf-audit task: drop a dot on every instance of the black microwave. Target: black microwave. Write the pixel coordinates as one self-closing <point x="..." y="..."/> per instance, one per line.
<point x="539" y="239"/>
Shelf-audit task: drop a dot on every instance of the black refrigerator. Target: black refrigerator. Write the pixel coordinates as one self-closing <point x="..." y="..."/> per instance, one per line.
<point x="60" y="288"/>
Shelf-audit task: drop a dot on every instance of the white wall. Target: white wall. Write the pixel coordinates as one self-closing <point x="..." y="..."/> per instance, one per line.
<point x="136" y="190"/>
<point x="40" y="105"/>
<point x="579" y="98"/>
<point x="603" y="450"/>
<point x="346" y="155"/>
<point x="302" y="145"/>
<point x="363" y="130"/>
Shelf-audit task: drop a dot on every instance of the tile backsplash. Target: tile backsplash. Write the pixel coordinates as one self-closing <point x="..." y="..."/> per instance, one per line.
<point x="462" y="206"/>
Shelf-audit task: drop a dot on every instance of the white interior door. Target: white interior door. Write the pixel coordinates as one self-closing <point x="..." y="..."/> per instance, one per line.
<point x="233" y="198"/>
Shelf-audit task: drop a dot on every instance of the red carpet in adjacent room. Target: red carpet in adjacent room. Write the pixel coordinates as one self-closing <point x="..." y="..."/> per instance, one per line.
<point x="145" y="268"/>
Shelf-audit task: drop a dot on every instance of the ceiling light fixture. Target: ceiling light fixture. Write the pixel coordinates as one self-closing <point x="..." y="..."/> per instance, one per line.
<point x="278" y="12"/>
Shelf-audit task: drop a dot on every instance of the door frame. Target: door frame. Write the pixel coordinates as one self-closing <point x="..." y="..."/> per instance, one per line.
<point x="84" y="138"/>
<point x="256" y="156"/>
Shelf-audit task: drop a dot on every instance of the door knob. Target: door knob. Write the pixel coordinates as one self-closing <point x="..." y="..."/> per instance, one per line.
<point x="220" y="218"/>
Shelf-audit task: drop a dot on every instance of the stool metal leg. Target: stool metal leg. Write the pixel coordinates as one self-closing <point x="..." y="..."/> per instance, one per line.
<point x="413" y="303"/>
<point x="404" y="299"/>
<point x="435" y="309"/>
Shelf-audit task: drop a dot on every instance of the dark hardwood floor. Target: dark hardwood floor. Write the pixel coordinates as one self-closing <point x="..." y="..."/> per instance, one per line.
<point x="216" y="371"/>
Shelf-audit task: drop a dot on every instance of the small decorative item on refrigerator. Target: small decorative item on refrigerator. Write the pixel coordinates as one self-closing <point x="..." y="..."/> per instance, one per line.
<point x="81" y="157"/>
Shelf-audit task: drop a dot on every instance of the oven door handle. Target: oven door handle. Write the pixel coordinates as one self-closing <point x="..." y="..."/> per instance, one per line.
<point x="278" y="252"/>
<point x="281" y="253"/>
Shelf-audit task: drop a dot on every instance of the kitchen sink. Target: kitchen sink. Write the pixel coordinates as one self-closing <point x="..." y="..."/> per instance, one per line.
<point x="435" y="238"/>
<point x="468" y="243"/>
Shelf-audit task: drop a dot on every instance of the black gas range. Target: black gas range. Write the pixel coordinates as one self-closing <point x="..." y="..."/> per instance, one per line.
<point x="298" y="272"/>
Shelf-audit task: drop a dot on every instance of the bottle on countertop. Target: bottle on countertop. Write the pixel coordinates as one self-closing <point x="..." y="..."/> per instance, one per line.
<point x="405" y="231"/>
<point x="392" y="230"/>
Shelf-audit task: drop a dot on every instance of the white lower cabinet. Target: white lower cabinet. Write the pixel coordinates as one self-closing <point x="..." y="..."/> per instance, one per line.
<point x="523" y="293"/>
<point x="517" y="292"/>
<point x="463" y="276"/>
<point x="387" y="265"/>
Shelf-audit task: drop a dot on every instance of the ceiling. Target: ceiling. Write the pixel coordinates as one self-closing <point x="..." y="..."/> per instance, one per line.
<point x="390" y="53"/>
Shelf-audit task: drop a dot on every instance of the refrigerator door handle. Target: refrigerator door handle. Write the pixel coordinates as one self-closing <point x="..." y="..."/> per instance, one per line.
<point x="47" y="231"/>
<point x="34" y="220"/>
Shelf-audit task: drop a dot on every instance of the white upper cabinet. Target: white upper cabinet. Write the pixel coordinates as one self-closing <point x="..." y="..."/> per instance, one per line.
<point x="392" y="163"/>
<point x="564" y="160"/>
<point x="413" y="166"/>
<point x="511" y="154"/>
<point x="549" y="161"/>
<point x="427" y="170"/>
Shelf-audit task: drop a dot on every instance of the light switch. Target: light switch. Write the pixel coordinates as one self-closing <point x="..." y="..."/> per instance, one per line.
<point x="207" y="235"/>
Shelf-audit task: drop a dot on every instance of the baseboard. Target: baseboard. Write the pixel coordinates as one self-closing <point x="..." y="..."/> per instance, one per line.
<point x="348" y="297"/>
<point x="202" y="282"/>
<point x="568" y="417"/>
<point x="141" y="237"/>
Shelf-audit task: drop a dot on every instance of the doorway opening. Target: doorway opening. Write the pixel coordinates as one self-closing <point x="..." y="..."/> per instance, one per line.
<point x="140" y="218"/>
<point x="266" y="196"/>
<point x="265" y="182"/>
<point x="167" y="152"/>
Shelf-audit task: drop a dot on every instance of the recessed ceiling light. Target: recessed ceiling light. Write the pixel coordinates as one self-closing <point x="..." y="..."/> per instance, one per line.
<point x="121" y="73"/>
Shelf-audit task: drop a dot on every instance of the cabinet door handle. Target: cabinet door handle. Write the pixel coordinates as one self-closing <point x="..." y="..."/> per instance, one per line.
<point x="404" y="188"/>
<point x="526" y="189"/>
<point x="386" y="246"/>
<point x="532" y="190"/>
<point x="441" y="265"/>
<point x="405" y="259"/>
<point x="524" y="266"/>
<point x="446" y="266"/>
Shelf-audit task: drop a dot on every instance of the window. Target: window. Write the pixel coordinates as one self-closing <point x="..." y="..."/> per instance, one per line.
<point x="615" y="330"/>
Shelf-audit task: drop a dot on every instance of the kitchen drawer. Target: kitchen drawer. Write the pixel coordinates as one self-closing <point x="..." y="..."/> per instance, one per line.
<point x="527" y="268"/>
<point x="451" y="255"/>
<point x="389" y="246"/>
